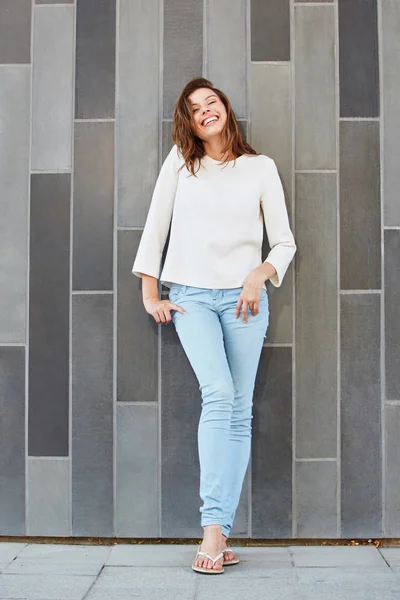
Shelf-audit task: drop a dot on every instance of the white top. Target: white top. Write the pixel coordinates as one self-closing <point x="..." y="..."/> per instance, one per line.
<point x="217" y="223"/>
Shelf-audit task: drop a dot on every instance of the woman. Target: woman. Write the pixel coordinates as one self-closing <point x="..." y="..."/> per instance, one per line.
<point x="214" y="191"/>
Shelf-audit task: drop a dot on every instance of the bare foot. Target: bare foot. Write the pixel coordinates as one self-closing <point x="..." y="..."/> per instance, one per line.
<point x="227" y="555"/>
<point x="212" y="545"/>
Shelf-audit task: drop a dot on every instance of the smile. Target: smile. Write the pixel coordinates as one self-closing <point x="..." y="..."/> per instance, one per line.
<point x="209" y="121"/>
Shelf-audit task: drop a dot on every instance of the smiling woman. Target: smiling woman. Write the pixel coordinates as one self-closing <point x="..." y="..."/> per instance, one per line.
<point x="214" y="192"/>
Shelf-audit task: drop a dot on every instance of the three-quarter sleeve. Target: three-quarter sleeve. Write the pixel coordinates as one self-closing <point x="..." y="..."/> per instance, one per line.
<point x="280" y="236"/>
<point x="149" y="254"/>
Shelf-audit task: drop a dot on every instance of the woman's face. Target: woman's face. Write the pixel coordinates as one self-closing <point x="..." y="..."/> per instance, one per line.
<point x="209" y="113"/>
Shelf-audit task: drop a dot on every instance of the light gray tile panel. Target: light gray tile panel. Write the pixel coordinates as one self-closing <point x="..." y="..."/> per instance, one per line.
<point x="137" y="331"/>
<point x="358" y="58"/>
<point x="137" y="493"/>
<point x="15" y="31"/>
<point x="316" y="315"/>
<point x="392" y="314"/>
<point x="270" y="30"/>
<point x="52" y="110"/>
<point x="315" y="93"/>
<point x="12" y="441"/>
<point x="92" y="415"/>
<point x="181" y="409"/>
<point x="93" y="206"/>
<point x="391" y="116"/>
<point x="54" y="1"/>
<point x="183" y="47"/>
<point x="316" y="499"/>
<point x="226" y="61"/>
<point x="48" y="493"/>
<point x="95" y="59"/>
<point x="271" y="134"/>
<point x="392" y="460"/>
<point x="360" y="209"/>
<point x="138" y="109"/>
<point x="361" y="460"/>
<point x="272" y="446"/>
<point x="49" y="287"/>
<point x="14" y="201"/>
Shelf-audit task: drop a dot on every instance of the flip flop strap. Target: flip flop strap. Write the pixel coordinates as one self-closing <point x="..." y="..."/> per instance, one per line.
<point x="214" y="560"/>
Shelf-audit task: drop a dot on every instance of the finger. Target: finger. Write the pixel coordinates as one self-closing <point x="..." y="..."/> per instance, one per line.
<point x="161" y="315"/>
<point x="244" y="310"/>
<point x="176" y="307"/>
<point x="167" y="314"/>
<point x="254" y="308"/>
<point x="238" y="305"/>
<point x="156" y="317"/>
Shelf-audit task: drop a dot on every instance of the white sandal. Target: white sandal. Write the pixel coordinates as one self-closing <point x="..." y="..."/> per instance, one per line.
<point x="232" y="561"/>
<point x="213" y="560"/>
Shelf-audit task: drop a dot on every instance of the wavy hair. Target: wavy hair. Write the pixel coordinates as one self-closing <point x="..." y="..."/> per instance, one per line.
<point x="183" y="133"/>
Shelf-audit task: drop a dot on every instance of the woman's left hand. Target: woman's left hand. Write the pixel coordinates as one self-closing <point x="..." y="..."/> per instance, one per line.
<point x="252" y="286"/>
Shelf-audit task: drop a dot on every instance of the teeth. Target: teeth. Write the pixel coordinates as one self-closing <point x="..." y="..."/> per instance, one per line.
<point x="210" y="120"/>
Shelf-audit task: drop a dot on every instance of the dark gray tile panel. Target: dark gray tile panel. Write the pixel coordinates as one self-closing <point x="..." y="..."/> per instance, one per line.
<point x="92" y="415"/>
<point x="12" y="441"/>
<point x="183" y="47"/>
<point x="272" y="446"/>
<point x="392" y="313"/>
<point x="316" y="315"/>
<point x="360" y="207"/>
<point x="137" y="491"/>
<point x="137" y="330"/>
<point x="392" y="480"/>
<point x="358" y="58"/>
<point x="270" y="30"/>
<point x="361" y="460"/>
<point x="49" y="286"/>
<point x="15" y="31"/>
<point x="93" y="206"/>
<point x="56" y="1"/>
<point x="95" y="59"/>
<point x="316" y="499"/>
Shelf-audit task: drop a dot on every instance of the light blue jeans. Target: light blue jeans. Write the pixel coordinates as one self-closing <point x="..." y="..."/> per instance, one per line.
<point x="224" y="353"/>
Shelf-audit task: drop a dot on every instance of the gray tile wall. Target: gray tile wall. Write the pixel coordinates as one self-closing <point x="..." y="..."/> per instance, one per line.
<point x="87" y="89"/>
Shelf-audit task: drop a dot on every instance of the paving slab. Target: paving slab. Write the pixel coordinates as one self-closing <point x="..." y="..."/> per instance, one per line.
<point x="392" y="556"/>
<point x="65" y="553"/>
<point x="42" y="567"/>
<point x="44" y="587"/>
<point x="336" y="556"/>
<point x="339" y="584"/>
<point x="260" y="588"/>
<point x="9" y="550"/>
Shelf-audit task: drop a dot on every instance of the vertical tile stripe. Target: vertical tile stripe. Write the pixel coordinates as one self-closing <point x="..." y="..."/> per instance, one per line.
<point x="14" y="201"/>
<point x="391" y="115"/>
<point x="138" y="108"/>
<point x="361" y="462"/>
<point x="93" y="206"/>
<point x="92" y="415"/>
<point x="137" y="331"/>
<point x="137" y="471"/>
<point x="358" y="58"/>
<point x="392" y="483"/>
<point x="52" y="88"/>
<point x="49" y="314"/>
<point x="12" y="441"/>
<point x="95" y="59"/>
<point x="272" y="446"/>
<point x="270" y="30"/>
<point x="226" y="63"/>
<point x="315" y="92"/>
<point x="360" y="210"/>
<point x="316" y="504"/>
<point x="271" y="134"/>
<point x="183" y="47"/>
<point x="392" y="313"/>
<point x="48" y="493"/>
<point x="316" y="315"/>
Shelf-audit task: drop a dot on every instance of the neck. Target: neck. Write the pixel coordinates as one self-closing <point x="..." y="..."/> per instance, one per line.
<point x="214" y="149"/>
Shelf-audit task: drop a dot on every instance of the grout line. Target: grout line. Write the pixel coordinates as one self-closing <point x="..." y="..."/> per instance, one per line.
<point x="358" y="118"/>
<point x="315" y="171"/>
<point x="247" y="78"/>
<point x="338" y="274"/>
<point x="49" y="457"/>
<point x="123" y="228"/>
<point x="293" y="140"/>
<point x="115" y="258"/>
<point x="13" y="65"/>
<point x="276" y="63"/>
<point x="71" y="247"/>
<point x="351" y="292"/>
<point x="394" y="402"/>
<point x="205" y="40"/>
<point x="316" y="459"/>
<point x="27" y="324"/>
<point x="388" y="227"/>
<point x="88" y="292"/>
<point x="159" y="328"/>
<point x="51" y="172"/>
<point x="63" y="4"/>
<point x="136" y="402"/>
<point x="106" y="120"/>
<point x="382" y="304"/>
<point x="278" y="345"/>
<point x="14" y="344"/>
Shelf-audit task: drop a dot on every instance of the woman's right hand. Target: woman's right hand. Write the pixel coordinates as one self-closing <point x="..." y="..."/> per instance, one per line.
<point x="160" y="310"/>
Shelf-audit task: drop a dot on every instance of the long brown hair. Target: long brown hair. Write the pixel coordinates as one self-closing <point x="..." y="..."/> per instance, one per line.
<point x="189" y="144"/>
